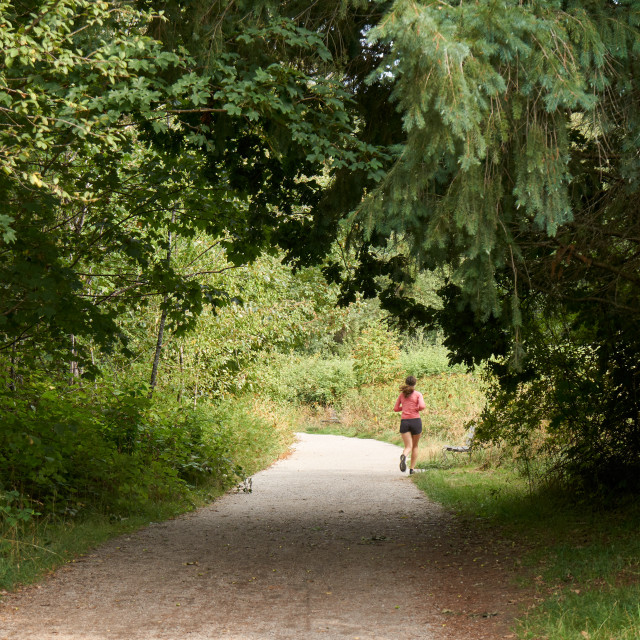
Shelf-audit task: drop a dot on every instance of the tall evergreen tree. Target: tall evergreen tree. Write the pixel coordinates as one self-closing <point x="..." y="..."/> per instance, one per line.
<point x="520" y="171"/>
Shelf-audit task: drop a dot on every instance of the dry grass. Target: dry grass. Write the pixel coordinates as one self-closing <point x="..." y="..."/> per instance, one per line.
<point x="452" y="399"/>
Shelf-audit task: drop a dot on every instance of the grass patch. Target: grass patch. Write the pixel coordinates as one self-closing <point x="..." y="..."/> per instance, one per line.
<point x="353" y="432"/>
<point x="583" y="562"/>
<point x="332" y="430"/>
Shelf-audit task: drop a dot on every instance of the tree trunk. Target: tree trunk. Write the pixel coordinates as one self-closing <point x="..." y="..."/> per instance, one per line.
<point x="195" y="390"/>
<point x="181" y="361"/>
<point x="156" y="357"/>
<point x="74" y="371"/>
<point x="163" y="318"/>
<point x="12" y="369"/>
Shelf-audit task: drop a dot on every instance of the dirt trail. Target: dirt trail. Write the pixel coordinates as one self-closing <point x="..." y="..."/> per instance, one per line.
<point x="333" y="542"/>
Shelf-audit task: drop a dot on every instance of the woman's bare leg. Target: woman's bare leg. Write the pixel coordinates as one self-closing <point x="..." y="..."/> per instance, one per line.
<point x="408" y="445"/>
<point x="413" y="443"/>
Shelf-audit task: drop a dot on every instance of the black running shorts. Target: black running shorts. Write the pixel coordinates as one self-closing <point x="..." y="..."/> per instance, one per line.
<point x="411" y="425"/>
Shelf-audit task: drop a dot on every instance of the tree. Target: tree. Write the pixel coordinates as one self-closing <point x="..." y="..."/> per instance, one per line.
<point x="507" y="159"/>
<point x="520" y="170"/>
<point x="112" y="144"/>
<point x="289" y="116"/>
<point x="78" y="186"/>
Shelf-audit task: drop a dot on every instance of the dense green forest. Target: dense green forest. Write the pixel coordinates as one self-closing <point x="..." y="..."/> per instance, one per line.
<point x="218" y="216"/>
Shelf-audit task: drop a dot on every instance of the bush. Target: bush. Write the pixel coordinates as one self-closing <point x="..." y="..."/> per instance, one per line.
<point x="65" y="448"/>
<point x="250" y="431"/>
<point x="49" y="444"/>
<point x="323" y="382"/>
<point x="311" y="381"/>
<point x="574" y="406"/>
<point x="376" y="356"/>
<point x="428" y="360"/>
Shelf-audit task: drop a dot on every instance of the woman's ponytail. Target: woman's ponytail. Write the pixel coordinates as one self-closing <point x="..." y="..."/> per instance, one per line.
<point x="409" y="386"/>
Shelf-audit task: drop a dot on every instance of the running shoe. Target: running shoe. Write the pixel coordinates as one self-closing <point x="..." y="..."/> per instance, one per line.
<point x="403" y="463"/>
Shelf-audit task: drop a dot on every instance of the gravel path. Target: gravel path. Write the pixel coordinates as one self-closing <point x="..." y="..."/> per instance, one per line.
<point x="333" y="542"/>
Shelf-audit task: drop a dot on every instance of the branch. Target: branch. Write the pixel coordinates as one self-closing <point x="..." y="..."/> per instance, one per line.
<point x="20" y="338"/>
<point x="217" y="242"/>
<point x="201" y="110"/>
<point x="201" y="273"/>
<point x="607" y="301"/>
<point x="606" y="267"/>
<point x="16" y="306"/>
<point x="107" y="275"/>
<point x="117" y="292"/>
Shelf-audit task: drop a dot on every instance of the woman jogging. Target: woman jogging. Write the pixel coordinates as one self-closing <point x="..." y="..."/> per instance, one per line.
<point x="410" y="402"/>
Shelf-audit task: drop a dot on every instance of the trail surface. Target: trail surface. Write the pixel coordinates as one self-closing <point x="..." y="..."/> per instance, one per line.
<point x="333" y="543"/>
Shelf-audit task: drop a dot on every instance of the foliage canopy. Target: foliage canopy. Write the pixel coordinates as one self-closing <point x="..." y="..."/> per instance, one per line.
<point x="520" y="171"/>
<point x="495" y="142"/>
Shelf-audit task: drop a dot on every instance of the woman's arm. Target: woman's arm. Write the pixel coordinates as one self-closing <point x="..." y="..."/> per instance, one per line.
<point x="421" y="403"/>
<point x="398" y="406"/>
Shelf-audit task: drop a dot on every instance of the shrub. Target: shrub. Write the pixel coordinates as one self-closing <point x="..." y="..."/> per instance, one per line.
<point x="68" y="448"/>
<point x="428" y="360"/>
<point x="324" y="381"/>
<point x="376" y="356"/>
<point x="572" y="403"/>
<point x="312" y="380"/>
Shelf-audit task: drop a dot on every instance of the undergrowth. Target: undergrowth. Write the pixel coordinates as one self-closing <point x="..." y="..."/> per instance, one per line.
<point x="103" y="463"/>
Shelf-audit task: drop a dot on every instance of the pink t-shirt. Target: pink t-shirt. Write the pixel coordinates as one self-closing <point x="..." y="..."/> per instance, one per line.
<point x="410" y="405"/>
